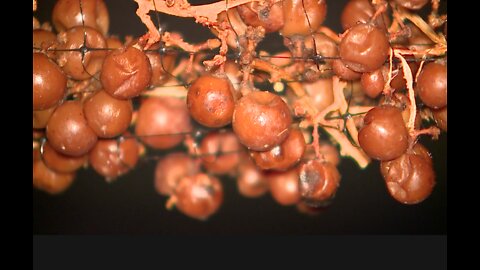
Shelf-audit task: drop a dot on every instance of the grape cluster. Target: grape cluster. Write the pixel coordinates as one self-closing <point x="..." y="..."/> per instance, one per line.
<point x="277" y="123"/>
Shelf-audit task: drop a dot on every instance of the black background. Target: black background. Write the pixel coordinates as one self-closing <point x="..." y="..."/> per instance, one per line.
<point x="131" y="205"/>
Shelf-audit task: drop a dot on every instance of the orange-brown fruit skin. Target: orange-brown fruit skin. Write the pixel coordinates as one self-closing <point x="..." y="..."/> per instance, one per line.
<point x="49" y="82"/>
<point x="361" y="11"/>
<point x="432" y="85"/>
<point x="410" y="178"/>
<point x="211" y="101"/>
<point x="364" y="48"/>
<point x="283" y="156"/>
<point x="220" y="152"/>
<point x="50" y="181"/>
<point x="261" y="120"/>
<point x="171" y="169"/>
<point x="296" y="23"/>
<point x="72" y="63"/>
<point x="318" y="181"/>
<point x="384" y="135"/>
<point x="199" y="196"/>
<point x="106" y="115"/>
<point x="161" y="116"/>
<point x="68" y="132"/>
<point x="252" y="14"/>
<point x="284" y="186"/>
<point x="126" y="72"/>
<point x="67" y="14"/>
<point x="112" y="158"/>
<point x="59" y="162"/>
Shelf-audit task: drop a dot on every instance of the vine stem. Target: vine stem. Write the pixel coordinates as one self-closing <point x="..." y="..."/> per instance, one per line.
<point x="204" y="14"/>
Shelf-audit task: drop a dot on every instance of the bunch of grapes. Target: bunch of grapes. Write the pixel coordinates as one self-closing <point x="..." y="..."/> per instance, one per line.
<point x="276" y="122"/>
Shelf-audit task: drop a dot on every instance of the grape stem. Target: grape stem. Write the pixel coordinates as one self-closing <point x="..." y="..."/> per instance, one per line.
<point x="407" y="74"/>
<point x="387" y="89"/>
<point x="400" y="14"/>
<point x="346" y="147"/>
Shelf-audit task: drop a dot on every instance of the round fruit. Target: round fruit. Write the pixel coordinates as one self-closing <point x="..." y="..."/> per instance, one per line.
<point x="126" y="72"/>
<point x="220" y="152"/>
<point x="211" y="100"/>
<point x="251" y="182"/>
<point x="72" y="63"/>
<point x="296" y="12"/>
<point x="199" y="196"/>
<point x="361" y="11"/>
<point x="261" y="120"/>
<point x="318" y="181"/>
<point x="384" y="135"/>
<point x="284" y="186"/>
<point x="68" y="131"/>
<point x="269" y="17"/>
<point x="432" y="85"/>
<point x="50" y="181"/>
<point x="41" y="118"/>
<point x="344" y="72"/>
<point x="440" y="116"/>
<point x="106" y="115"/>
<point x="59" y="162"/>
<point x="410" y="178"/>
<point x="171" y="169"/>
<point x="162" y="122"/>
<point x="364" y="48"/>
<point x="374" y="82"/>
<point x="112" y="158"/>
<point x="49" y="82"/>
<point x="412" y="4"/>
<point x="282" y="156"/>
<point x="43" y="38"/>
<point x="67" y="14"/>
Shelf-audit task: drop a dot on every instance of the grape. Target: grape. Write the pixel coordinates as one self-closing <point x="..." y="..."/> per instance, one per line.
<point x="261" y="120"/>
<point x="384" y="135"/>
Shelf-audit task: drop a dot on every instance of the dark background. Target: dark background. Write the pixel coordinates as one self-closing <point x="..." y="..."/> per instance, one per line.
<point x="131" y="205"/>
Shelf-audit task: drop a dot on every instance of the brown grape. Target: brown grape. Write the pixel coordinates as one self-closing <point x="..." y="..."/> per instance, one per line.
<point x="261" y="120"/>
<point x="72" y="62"/>
<point x="112" y="158"/>
<point x="211" y="100"/>
<point x="220" y="152"/>
<point x="106" y="115"/>
<point x="68" y="131"/>
<point x="364" y="48"/>
<point x="49" y="82"/>
<point x="410" y="178"/>
<point x="384" y="135"/>
<point x="171" y="169"/>
<point x="67" y="14"/>
<point x="162" y="122"/>
<point x="50" y="181"/>
<point x="199" y="196"/>
<point x="126" y="72"/>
